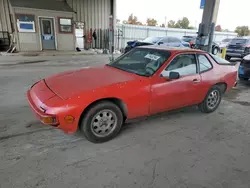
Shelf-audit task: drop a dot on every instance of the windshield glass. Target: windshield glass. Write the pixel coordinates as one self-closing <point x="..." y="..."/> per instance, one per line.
<point x="226" y="40"/>
<point x="143" y="62"/>
<point x="238" y="41"/>
<point x="152" y="39"/>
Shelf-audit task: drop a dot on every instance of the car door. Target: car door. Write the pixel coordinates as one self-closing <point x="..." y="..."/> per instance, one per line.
<point x="172" y="94"/>
<point x="206" y="71"/>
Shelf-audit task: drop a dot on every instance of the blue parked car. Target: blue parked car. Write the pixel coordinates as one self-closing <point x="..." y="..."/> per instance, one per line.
<point x="161" y="41"/>
<point x="244" y="69"/>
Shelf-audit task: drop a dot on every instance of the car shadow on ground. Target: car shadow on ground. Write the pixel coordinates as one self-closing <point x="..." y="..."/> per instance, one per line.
<point x="170" y="115"/>
<point x="245" y="83"/>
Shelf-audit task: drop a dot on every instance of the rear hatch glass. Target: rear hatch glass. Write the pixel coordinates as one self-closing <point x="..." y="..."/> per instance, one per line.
<point x="237" y="43"/>
<point x="221" y="61"/>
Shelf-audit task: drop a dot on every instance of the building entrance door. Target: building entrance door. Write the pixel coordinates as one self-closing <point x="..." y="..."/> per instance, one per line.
<point x="47" y="33"/>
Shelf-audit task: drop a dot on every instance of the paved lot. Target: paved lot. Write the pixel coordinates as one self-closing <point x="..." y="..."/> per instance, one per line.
<point x="180" y="149"/>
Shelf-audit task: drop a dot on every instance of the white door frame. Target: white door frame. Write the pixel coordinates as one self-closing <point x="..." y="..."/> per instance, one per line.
<point x="40" y="34"/>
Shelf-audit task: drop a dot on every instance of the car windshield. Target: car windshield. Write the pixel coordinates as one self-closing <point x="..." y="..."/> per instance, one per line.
<point x="226" y="40"/>
<point x="238" y="41"/>
<point x="141" y="61"/>
<point x="152" y="40"/>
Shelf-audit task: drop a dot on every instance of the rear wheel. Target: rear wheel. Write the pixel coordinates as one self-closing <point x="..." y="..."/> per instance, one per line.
<point x="215" y="50"/>
<point x="212" y="100"/>
<point x="102" y="122"/>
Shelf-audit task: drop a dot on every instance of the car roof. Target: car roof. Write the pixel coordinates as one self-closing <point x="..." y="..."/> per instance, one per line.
<point x="172" y="49"/>
<point x="244" y="37"/>
<point x="189" y="36"/>
<point x="163" y="37"/>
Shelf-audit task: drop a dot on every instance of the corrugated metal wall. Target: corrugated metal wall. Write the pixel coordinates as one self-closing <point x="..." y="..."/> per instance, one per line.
<point x="5" y="24"/>
<point x="94" y="13"/>
<point x="134" y="32"/>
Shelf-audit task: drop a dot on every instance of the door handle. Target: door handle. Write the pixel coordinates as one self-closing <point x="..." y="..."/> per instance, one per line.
<point x="196" y="81"/>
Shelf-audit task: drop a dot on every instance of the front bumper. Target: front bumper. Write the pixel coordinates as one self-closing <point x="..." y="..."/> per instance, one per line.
<point x="41" y="115"/>
<point x="239" y="55"/>
<point x="244" y="72"/>
<point x="54" y="112"/>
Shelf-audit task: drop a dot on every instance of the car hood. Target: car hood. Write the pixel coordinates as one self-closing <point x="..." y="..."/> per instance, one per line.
<point x="223" y="44"/>
<point x="71" y="83"/>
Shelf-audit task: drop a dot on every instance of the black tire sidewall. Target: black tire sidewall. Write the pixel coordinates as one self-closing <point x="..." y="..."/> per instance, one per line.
<point x="85" y="125"/>
<point x="204" y="106"/>
<point x="228" y="57"/>
<point x="215" y="48"/>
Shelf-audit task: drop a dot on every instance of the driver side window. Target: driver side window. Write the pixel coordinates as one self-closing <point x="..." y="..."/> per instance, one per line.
<point x="184" y="64"/>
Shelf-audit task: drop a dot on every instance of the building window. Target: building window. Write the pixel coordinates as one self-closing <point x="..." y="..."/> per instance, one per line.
<point x="65" y="25"/>
<point x="25" y="23"/>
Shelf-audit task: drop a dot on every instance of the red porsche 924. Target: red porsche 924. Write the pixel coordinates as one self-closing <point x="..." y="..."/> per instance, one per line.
<point x="145" y="81"/>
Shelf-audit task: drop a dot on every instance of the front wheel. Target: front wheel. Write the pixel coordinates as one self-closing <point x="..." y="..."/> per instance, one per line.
<point x="102" y="122"/>
<point x="212" y="100"/>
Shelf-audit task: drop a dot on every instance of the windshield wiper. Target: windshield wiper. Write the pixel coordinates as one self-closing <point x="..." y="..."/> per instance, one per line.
<point x="128" y="70"/>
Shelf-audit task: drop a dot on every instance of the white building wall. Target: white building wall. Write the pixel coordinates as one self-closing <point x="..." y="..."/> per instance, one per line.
<point x="94" y="13"/>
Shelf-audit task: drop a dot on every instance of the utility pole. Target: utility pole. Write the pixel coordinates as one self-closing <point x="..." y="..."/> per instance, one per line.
<point x="206" y="28"/>
<point x="111" y="37"/>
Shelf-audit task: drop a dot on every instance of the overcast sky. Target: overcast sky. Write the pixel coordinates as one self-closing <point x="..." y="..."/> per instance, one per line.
<point x="232" y="13"/>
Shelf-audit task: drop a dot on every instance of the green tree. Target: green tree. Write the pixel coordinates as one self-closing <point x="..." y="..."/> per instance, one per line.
<point x="183" y="23"/>
<point x="133" y="20"/>
<point x="162" y="25"/>
<point x="225" y="30"/>
<point x="191" y="27"/>
<point x="242" y="30"/>
<point x="171" y="24"/>
<point x="151" y="22"/>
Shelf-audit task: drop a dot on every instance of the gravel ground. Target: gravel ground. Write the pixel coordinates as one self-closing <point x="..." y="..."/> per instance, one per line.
<point x="179" y="149"/>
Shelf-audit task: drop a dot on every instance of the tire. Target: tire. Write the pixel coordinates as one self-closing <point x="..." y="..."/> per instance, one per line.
<point x="228" y="58"/>
<point x="98" y="120"/>
<point x="215" y="51"/>
<point x="206" y="106"/>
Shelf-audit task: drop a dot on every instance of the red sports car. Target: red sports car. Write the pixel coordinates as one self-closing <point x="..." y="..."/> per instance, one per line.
<point x="145" y="81"/>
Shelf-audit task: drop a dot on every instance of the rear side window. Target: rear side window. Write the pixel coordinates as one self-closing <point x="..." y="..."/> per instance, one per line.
<point x="174" y="40"/>
<point x="204" y="63"/>
<point x="226" y="40"/>
<point x="219" y="60"/>
<point x="165" y="40"/>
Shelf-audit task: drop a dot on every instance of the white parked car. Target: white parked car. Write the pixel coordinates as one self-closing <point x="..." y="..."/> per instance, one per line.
<point x="224" y="43"/>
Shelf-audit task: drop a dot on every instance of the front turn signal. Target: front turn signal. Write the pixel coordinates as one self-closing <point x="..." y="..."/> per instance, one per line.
<point x="69" y="119"/>
<point x="51" y="120"/>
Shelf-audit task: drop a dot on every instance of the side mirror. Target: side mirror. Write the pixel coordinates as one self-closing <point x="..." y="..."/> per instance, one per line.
<point x="159" y="43"/>
<point x="174" y="75"/>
